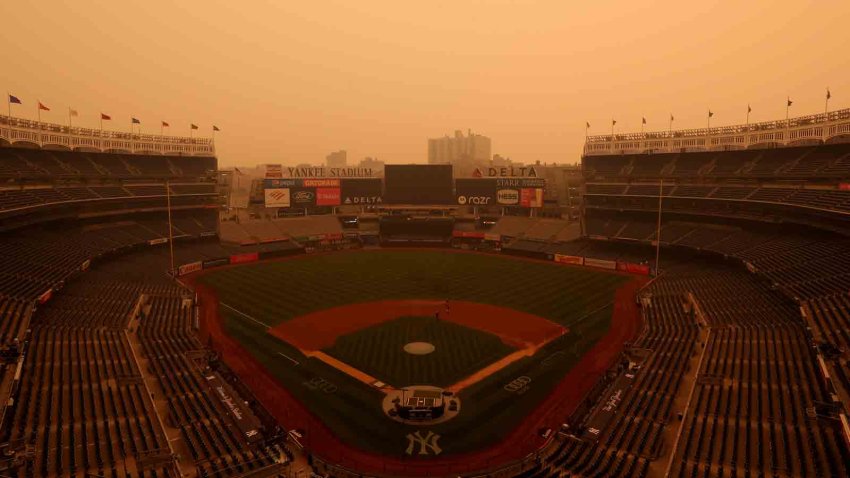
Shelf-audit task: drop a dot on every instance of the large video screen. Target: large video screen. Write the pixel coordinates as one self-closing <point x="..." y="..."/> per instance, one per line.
<point x="418" y="184"/>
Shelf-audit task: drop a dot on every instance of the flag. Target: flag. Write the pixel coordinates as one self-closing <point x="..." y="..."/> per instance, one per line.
<point x="165" y="125"/>
<point x="14" y="99"/>
<point x="749" y="110"/>
<point x="828" y="95"/>
<point x="42" y="107"/>
<point x="643" y="120"/>
<point x="135" y="120"/>
<point x="105" y="117"/>
<point x="710" y="114"/>
<point x="215" y="128"/>
<point x="790" y="102"/>
<point x="193" y="126"/>
<point x="72" y="112"/>
<point x="613" y="122"/>
<point x="671" y="118"/>
<point x="587" y="124"/>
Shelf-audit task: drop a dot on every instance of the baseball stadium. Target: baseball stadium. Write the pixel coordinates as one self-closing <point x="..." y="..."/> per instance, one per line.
<point x="675" y="306"/>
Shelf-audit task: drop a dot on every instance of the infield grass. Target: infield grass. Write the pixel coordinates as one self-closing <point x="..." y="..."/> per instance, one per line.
<point x="379" y="351"/>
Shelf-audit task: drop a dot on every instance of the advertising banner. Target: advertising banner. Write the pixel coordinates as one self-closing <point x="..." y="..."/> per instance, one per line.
<point x="507" y="197"/>
<point x="244" y="258"/>
<point x="526" y="192"/>
<point x="468" y="234"/>
<point x="564" y="259"/>
<point x="519" y="183"/>
<point x="45" y="296"/>
<point x="189" y="268"/>
<point x="328" y="196"/>
<point x="274" y="171"/>
<point x="531" y="197"/>
<point x="491" y="236"/>
<point x="281" y="183"/>
<point x="277" y="197"/>
<point x="320" y="183"/>
<point x="302" y="197"/>
<point x="361" y="191"/>
<point x="600" y="263"/>
<point x="210" y="263"/>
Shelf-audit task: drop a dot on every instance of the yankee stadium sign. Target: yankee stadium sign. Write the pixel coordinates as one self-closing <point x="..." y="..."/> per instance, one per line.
<point x="323" y="172"/>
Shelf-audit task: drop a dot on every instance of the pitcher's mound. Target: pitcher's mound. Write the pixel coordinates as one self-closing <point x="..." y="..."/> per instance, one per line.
<point x="419" y="348"/>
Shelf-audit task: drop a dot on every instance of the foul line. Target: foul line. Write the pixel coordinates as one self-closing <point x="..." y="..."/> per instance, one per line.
<point x="290" y="358"/>
<point x="267" y="326"/>
<point x="243" y="314"/>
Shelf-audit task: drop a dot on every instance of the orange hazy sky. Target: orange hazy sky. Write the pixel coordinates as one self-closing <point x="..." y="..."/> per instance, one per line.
<point x="290" y="81"/>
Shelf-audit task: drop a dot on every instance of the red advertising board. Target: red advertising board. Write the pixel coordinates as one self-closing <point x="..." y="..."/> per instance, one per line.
<point x="564" y="259"/>
<point x="46" y="296"/>
<point x="469" y="234"/>
<point x="244" y="258"/>
<point x="531" y="197"/>
<point x="844" y="186"/>
<point x="335" y="236"/>
<point x="328" y="196"/>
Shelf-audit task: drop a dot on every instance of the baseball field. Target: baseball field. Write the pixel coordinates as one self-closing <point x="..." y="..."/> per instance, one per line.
<point x="321" y="338"/>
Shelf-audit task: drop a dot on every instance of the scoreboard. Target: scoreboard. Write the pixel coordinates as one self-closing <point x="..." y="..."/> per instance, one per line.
<point x="418" y="183"/>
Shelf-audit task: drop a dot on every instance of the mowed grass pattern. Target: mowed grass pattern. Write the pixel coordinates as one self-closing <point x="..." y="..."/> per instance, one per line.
<point x="379" y="351"/>
<point x="274" y="292"/>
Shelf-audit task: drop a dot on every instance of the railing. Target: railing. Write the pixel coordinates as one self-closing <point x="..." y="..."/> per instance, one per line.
<point x="819" y="128"/>
<point x="51" y="135"/>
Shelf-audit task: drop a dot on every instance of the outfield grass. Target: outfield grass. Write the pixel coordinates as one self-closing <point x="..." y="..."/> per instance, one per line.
<point x="273" y="292"/>
<point x="378" y="351"/>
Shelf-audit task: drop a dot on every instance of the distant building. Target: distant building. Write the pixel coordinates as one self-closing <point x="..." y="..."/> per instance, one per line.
<point x="337" y="159"/>
<point x="473" y="148"/>
<point x="377" y="166"/>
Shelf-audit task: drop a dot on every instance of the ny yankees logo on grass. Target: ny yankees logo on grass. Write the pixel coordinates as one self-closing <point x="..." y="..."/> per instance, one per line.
<point x="428" y="442"/>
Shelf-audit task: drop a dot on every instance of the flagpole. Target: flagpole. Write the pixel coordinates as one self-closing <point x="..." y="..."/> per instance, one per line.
<point x="658" y="227"/>
<point x="670" y="134"/>
<point x="9" y="104"/>
<point x="170" y="233"/>
<point x="787" y="120"/>
<point x="38" y="113"/>
<point x="69" y="120"/>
